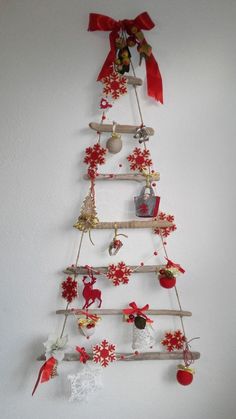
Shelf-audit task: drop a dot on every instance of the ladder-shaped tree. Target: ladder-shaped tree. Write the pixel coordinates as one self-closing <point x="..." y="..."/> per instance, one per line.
<point x="124" y="35"/>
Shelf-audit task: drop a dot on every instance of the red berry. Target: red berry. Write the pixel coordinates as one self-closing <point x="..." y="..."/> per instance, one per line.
<point x="154" y="184"/>
<point x="122" y="357"/>
<point x="136" y="353"/>
<point x="155" y="253"/>
<point x="141" y="263"/>
<point x="120" y="165"/>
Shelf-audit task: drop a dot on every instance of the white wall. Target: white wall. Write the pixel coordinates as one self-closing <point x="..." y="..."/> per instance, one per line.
<point x="49" y="64"/>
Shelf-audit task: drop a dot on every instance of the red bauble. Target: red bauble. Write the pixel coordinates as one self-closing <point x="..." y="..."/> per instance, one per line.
<point x="167" y="282"/>
<point x="184" y="376"/>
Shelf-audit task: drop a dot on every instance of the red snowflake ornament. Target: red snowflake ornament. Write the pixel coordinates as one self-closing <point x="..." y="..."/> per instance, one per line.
<point x="114" y="85"/>
<point x="104" y="353"/>
<point x="94" y="157"/>
<point x="119" y="274"/>
<point x="165" y="231"/>
<point x="174" y="340"/>
<point x="69" y="289"/>
<point x="139" y="160"/>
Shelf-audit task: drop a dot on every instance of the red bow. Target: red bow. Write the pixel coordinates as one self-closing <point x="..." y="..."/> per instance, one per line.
<point x="99" y="22"/>
<point x="137" y="310"/>
<point x="83" y="354"/>
<point x="93" y="317"/>
<point x="46" y="372"/>
<point x="171" y="264"/>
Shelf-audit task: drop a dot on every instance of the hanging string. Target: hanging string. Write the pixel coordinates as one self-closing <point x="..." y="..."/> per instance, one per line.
<point x="176" y="291"/>
<point x="76" y="265"/>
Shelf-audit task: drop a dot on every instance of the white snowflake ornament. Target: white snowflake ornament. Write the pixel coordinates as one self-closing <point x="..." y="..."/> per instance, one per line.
<point x="85" y="382"/>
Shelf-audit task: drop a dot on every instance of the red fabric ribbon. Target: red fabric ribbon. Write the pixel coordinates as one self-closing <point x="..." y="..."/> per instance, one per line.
<point x="84" y="357"/>
<point x="138" y="311"/>
<point x="93" y="317"/>
<point x="171" y="264"/>
<point x="99" y="22"/>
<point x="45" y="372"/>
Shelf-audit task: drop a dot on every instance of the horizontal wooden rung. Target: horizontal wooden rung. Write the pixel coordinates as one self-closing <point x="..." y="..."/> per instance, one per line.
<point x="103" y="269"/>
<point x="137" y="177"/>
<point x="112" y="312"/>
<point x="144" y="356"/>
<point x="135" y="81"/>
<point x="121" y="129"/>
<point x="151" y="223"/>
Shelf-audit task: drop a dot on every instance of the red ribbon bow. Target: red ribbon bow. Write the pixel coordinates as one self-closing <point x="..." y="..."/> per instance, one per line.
<point x="93" y="317"/>
<point x="171" y="264"/>
<point x="84" y="357"/>
<point x="137" y="310"/>
<point x="99" y="22"/>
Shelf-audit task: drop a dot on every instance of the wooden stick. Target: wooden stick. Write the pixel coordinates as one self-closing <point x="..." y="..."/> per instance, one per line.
<point x="125" y="176"/>
<point x="145" y="356"/>
<point x="112" y="312"/>
<point x="122" y="129"/>
<point x="135" y="81"/>
<point x="153" y="223"/>
<point x="103" y="269"/>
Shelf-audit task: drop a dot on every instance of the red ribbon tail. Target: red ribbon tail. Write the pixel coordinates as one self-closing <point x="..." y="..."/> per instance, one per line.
<point x="107" y="66"/>
<point x="154" y="80"/>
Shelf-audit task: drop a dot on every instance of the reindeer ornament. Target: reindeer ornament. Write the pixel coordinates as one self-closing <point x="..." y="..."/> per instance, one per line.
<point x="90" y="295"/>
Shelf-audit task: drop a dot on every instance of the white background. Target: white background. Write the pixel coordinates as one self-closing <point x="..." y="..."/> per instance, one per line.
<point x="48" y="69"/>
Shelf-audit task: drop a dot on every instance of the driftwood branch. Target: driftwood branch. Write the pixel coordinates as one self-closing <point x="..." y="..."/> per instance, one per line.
<point x="103" y="269"/>
<point x="135" y="81"/>
<point x="112" y="312"/>
<point x="125" y="176"/>
<point x="153" y="223"/>
<point x="145" y="356"/>
<point x="121" y="129"/>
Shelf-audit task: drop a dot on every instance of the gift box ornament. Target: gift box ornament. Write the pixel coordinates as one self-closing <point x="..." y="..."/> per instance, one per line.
<point x="147" y="204"/>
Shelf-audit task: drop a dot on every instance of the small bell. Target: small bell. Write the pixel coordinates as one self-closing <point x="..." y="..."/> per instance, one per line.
<point x="114" y="143"/>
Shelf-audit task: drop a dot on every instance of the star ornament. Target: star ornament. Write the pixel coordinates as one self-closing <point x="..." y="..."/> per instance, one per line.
<point x="119" y="274"/>
<point x="173" y="340"/>
<point x="104" y="353"/>
<point x="114" y="85"/>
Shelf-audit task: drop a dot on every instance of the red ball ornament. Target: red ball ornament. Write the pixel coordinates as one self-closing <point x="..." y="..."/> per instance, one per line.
<point x="167" y="282"/>
<point x="184" y="375"/>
